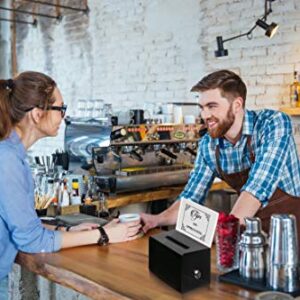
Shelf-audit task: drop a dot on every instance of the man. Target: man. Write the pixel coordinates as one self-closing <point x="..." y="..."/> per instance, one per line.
<point x="254" y="152"/>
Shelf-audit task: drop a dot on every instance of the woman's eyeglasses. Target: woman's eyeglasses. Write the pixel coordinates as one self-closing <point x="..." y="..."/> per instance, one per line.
<point x="62" y="109"/>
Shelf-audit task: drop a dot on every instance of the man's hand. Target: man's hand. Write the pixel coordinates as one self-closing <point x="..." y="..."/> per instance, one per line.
<point x="149" y="221"/>
<point x="166" y="218"/>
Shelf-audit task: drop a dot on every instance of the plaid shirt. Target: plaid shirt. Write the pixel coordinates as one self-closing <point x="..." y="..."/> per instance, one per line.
<point x="276" y="160"/>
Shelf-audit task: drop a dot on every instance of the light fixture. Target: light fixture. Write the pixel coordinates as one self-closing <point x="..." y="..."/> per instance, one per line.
<point x="270" y="30"/>
<point x="221" y="51"/>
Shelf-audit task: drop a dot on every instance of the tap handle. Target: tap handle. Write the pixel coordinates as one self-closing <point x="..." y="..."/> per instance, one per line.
<point x="191" y="151"/>
<point x="168" y="153"/>
<point x="116" y="156"/>
<point x="136" y="155"/>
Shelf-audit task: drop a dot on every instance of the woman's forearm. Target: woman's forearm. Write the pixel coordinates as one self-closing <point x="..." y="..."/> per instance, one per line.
<point x="79" y="238"/>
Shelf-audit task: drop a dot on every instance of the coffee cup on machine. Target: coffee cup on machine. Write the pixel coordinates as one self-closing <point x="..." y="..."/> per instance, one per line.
<point x="124" y="117"/>
<point x="137" y="116"/>
<point x="189" y="119"/>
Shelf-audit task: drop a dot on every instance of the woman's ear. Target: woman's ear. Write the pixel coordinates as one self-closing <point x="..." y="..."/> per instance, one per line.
<point x="37" y="114"/>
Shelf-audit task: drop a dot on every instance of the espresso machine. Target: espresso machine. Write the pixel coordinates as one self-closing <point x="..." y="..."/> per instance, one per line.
<point x="133" y="157"/>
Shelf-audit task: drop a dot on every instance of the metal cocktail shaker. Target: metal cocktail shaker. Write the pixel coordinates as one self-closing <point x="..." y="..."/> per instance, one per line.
<point x="252" y="255"/>
<point x="283" y="253"/>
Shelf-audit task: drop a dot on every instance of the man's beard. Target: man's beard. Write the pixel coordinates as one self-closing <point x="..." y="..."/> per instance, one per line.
<point x="222" y="126"/>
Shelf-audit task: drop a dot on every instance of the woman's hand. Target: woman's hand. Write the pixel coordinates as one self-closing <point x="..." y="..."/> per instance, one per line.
<point x="84" y="227"/>
<point x="122" y="232"/>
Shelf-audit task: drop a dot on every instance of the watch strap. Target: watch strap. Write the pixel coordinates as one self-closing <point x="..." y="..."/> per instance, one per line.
<point x="68" y="227"/>
<point x="58" y="226"/>
<point x="104" y="239"/>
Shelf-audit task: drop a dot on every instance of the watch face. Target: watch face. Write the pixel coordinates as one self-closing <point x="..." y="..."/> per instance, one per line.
<point x="102" y="241"/>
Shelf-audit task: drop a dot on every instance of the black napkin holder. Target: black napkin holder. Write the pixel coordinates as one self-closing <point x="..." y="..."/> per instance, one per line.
<point x="178" y="260"/>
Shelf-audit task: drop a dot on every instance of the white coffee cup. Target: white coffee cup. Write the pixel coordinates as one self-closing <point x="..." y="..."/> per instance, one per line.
<point x="124" y="117"/>
<point x="177" y="114"/>
<point x="167" y="108"/>
<point x="168" y="118"/>
<point x="189" y="119"/>
<point x="124" y="218"/>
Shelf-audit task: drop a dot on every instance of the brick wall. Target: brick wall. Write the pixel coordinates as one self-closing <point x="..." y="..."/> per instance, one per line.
<point x="133" y="51"/>
<point x="266" y="64"/>
<point x="4" y="43"/>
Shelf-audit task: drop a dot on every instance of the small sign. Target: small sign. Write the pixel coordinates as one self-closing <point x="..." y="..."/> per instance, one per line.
<point x="197" y="222"/>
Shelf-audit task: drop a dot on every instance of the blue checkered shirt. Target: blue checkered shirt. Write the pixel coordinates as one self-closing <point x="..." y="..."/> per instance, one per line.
<point x="276" y="159"/>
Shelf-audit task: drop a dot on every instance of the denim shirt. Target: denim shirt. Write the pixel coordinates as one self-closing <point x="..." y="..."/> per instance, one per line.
<point x="20" y="228"/>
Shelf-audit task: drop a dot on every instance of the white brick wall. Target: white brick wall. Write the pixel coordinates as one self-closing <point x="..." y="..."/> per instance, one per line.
<point x="5" y="42"/>
<point x="132" y="51"/>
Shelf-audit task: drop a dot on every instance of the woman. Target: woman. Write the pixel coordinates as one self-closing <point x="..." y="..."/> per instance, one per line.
<point x="31" y="108"/>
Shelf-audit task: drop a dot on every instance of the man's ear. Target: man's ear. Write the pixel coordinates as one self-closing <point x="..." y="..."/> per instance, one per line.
<point x="237" y="104"/>
<point x="36" y="115"/>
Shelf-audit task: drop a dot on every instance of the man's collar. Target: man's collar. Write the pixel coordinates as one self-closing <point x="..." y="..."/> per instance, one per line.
<point x="248" y="125"/>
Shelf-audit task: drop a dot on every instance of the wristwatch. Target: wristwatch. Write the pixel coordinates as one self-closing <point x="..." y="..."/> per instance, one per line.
<point x="103" y="240"/>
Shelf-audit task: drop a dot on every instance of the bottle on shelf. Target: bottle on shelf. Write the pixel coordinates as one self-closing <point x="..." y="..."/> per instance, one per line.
<point x="65" y="196"/>
<point x="85" y="187"/>
<point x="295" y="91"/>
<point x="75" y="197"/>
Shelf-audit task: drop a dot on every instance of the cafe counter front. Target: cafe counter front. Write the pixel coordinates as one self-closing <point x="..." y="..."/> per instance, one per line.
<point x="119" y="271"/>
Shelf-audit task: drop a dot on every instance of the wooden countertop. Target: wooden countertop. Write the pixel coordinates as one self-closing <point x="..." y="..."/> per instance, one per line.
<point x="119" y="271"/>
<point x="155" y="194"/>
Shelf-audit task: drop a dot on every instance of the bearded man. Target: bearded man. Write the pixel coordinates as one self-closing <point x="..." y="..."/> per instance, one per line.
<point x="253" y="151"/>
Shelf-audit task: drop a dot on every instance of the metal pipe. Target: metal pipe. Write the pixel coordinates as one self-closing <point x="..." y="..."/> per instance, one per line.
<point x="34" y="23"/>
<point x="31" y="13"/>
<point x="85" y="10"/>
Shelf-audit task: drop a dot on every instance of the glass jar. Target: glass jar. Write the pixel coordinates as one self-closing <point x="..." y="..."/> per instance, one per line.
<point x="227" y="245"/>
<point x="107" y="110"/>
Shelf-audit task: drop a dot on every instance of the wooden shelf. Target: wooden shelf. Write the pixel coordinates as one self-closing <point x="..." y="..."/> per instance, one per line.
<point x="156" y="194"/>
<point x="292" y="111"/>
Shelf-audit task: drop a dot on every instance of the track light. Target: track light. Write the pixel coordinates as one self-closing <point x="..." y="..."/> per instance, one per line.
<point x="221" y="51"/>
<point x="270" y="29"/>
<point x="261" y="22"/>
